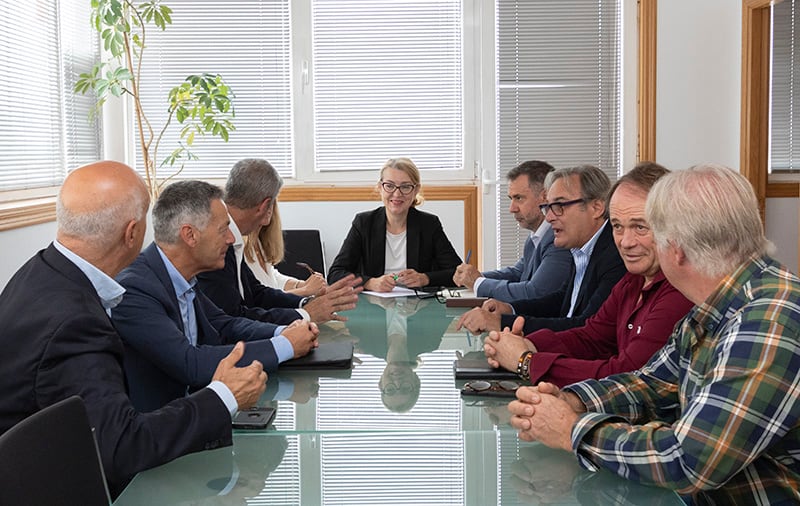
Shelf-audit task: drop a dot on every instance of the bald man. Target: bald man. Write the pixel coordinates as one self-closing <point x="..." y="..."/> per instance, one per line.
<point x="58" y="340"/>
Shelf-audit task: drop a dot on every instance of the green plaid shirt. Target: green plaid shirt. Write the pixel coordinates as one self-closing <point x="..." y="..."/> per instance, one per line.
<point x="714" y="414"/>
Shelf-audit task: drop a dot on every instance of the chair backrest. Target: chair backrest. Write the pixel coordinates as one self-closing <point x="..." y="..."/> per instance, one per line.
<point x="302" y="246"/>
<point x="51" y="458"/>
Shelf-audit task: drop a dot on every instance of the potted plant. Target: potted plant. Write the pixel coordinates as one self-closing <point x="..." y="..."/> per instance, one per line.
<point x="201" y="104"/>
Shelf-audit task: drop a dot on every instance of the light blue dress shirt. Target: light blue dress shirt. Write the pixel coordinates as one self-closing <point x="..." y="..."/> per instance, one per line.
<point x="581" y="257"/>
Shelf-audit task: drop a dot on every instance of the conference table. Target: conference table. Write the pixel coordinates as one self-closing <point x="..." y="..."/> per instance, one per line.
<point x="394" y="429"/>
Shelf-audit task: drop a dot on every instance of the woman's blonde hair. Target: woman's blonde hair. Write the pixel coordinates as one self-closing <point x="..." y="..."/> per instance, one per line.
<point x="266" y="243"/>
<point x="405" y="165"/>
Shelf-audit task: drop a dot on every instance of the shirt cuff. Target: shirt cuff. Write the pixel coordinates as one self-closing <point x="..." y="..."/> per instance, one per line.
<point x="477" y="284"/>
<point x="283" y="348"/>
<point x="225" y="395"/>
<point x="304" y="314"/>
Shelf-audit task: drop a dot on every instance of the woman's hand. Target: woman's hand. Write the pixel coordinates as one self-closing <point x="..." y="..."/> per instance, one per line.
<point x="412" y="278"/>
<point x="314" y="285"/>
<point x="385" y="283"/>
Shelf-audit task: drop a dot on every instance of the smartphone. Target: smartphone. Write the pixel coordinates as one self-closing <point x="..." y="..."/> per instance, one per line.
<point x="253" y="418"/>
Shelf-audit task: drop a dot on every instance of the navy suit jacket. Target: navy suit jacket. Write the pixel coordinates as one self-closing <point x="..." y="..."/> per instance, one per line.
<point x="58" y="341"/>
<point x="160" y="363"/>
<point x="428" y="250"/>
<point x="604" y="270"/>
<point x="259" y="302"/>
<point x="541" y="270"/>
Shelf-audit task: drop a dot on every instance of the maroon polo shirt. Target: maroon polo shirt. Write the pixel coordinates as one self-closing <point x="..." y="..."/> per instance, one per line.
<point x="622" y="336"/>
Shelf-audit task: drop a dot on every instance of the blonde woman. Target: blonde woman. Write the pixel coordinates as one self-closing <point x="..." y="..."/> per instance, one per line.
<point x="396" y="244"/>
<point x="263" y="250"/>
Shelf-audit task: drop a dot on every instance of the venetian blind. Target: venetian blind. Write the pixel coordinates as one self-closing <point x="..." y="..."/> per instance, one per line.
<point x="247" y="42"/>
<point x="785" y="77"/>
<point x="558" y="93"/>
<point x="387" y="82"/>
<point x="45" y="129"/>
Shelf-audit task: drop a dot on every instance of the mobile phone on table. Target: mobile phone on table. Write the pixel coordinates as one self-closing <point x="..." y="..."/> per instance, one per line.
<point x="253" y="418"/>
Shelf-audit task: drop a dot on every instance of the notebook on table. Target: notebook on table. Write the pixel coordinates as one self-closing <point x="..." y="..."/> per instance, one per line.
<point x="462" y="298"/>
<point x="468" y="368"/>
<point x="338" y="355"/>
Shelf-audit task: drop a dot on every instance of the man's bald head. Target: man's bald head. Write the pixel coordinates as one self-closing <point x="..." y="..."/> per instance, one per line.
<point x="97" y="201"/>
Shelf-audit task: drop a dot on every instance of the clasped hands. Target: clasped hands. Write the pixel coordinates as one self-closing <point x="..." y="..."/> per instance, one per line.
<point x="407" y="277"/>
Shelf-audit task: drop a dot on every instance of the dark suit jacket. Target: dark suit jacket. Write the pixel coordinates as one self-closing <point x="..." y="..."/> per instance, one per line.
<point x="428" y="250"/>
<point x="550" y="311"/>
<point x="541" y="271"/>
<point x="58" y="341"/>
<point x="259" y="302"/>
<point x="160" y="363"/>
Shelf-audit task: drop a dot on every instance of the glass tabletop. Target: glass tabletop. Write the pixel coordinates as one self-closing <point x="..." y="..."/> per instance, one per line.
<point x="392" y="430"/>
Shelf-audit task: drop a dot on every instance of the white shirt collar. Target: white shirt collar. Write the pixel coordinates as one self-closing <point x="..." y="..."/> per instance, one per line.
<point x="109" y="291"/>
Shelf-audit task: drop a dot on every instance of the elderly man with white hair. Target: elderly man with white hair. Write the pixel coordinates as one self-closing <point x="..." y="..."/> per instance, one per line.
<point x="715" y="414"/>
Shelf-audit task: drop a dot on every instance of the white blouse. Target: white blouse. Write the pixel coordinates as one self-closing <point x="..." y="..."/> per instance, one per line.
<point x="271" y="276"/>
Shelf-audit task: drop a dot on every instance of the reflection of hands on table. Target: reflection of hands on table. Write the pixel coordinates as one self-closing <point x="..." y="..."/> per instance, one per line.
<point x="542" y="474"/>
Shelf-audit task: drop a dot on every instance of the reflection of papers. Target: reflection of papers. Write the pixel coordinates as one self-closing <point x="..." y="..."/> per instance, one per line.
<point x="396" y="292"/>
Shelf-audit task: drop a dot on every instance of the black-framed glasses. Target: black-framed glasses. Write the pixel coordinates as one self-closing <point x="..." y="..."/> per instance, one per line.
<point x="558" y="207"/>
<point x="480" y="386"/>
<point x="404" y="188"/>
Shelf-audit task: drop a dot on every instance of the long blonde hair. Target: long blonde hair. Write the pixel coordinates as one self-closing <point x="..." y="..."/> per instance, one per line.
<point x="266" y="243"/>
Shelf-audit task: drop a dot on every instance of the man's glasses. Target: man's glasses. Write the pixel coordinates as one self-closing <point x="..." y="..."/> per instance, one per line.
<point x="504" y="388"/>
<point x="404" y="188"/>
<point x="558" y="207"/>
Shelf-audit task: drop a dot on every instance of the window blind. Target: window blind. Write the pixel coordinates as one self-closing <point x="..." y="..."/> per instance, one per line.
<point x="558" y="93"/>
<point x="45" y="129"/>
<point x="248" y="44"/>
<point x="784" y="113"/>
<point x="387" y="81"/>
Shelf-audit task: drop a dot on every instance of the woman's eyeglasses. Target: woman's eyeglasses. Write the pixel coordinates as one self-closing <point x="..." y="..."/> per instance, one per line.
<point x="558" y="207"/>
<point x="503" y="388"/>
<point x="405" y="188"/>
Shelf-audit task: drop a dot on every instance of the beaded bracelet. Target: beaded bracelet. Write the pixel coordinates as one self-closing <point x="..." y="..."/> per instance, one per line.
<point x="523" y="365"/>
<point x="526" y="366"/>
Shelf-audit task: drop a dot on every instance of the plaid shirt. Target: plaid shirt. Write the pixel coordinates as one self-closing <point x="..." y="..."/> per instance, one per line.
<point x="714" y="414"/>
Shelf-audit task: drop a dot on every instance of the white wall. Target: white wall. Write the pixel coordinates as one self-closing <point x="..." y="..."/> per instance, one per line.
<point x="20" y="244"/>
<point x="699" y="99"/>
<point x="698" y="82"/>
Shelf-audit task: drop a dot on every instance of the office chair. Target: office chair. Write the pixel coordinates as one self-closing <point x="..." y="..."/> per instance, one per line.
<point x="51" y="458"/>
<point x="302" y="246"/>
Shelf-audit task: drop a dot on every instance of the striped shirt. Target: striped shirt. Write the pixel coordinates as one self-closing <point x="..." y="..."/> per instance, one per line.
<point x="714" y="414"/>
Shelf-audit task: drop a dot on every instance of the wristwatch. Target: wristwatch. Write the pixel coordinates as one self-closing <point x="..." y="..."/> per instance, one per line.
<point x="306" y="300"/>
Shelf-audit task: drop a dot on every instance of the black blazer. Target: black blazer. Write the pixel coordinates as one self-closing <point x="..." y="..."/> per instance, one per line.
<point x="259" y="303"/>
<point x="160" y="363"/>
<point x="428" y="250"/>
<point x="605" y="269"/>
<point x="58" y="341"/>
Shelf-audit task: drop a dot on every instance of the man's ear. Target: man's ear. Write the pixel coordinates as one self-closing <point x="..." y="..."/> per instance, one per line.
<point x="188" y="235"/>
<point x="129" y="235"/>
<point x="598" y="208"/>
<point x="265" y="205"/>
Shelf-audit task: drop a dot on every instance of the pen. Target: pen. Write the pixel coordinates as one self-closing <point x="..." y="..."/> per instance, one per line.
<point x="306" y="267"/>
<point x="469" y="255"/>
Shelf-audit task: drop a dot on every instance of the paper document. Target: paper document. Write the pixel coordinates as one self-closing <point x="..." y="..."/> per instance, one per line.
<point x="396" y="292"/>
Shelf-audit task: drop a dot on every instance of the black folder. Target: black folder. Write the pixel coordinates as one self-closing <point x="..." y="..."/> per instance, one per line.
<point x="479" y="369"/>
<point x="337" y="355"/>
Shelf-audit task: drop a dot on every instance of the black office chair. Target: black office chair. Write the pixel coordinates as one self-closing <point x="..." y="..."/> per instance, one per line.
<point x="302" y="246"/>
<point x="51" y="458"/>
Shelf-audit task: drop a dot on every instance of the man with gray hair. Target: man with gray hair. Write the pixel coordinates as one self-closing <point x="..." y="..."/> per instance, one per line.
<point x="58" y="339"/>
<point x="577" y="213"/>
<point x="543" y="266"/>
<point x="715" y="414"/>
<point x="173" y="333"/>
<point x="250" y="193"/>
